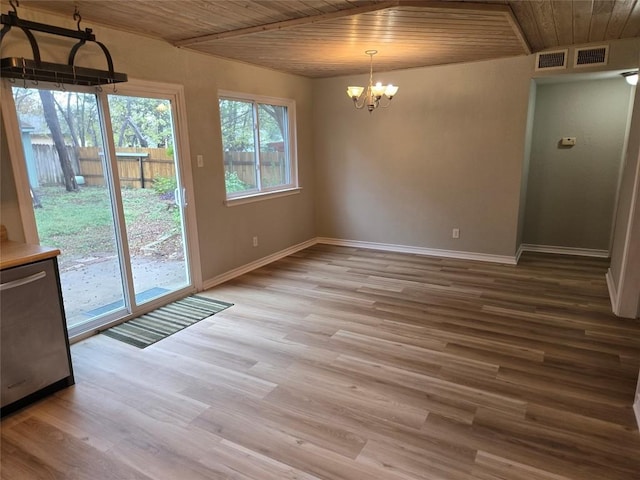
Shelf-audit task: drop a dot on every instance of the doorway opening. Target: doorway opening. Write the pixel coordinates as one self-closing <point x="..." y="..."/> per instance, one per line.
<point x="579" y="131"/>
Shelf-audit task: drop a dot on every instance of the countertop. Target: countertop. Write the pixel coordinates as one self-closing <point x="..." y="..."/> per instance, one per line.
<point x="13" y="254"/>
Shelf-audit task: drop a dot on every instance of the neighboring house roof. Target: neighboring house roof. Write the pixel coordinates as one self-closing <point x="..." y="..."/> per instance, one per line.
<point x="25" y="127"/>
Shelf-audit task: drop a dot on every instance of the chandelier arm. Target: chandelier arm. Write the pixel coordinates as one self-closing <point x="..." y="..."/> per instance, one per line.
<point x="361" y="101"/>
<point x="384" y="104"/>
<point x="357" y="104"/>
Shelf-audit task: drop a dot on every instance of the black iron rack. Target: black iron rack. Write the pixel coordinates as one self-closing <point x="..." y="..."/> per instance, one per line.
<point x="36" y="70"/>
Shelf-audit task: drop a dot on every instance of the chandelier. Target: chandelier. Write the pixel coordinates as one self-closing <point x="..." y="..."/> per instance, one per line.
<point x="372" y="96"/>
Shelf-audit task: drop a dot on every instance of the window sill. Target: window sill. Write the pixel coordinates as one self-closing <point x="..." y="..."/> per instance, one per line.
<point x="258" y="197"/>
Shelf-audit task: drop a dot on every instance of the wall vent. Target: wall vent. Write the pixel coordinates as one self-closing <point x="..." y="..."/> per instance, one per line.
<point x="585" y="57"/>
<point x="551" y="60"/>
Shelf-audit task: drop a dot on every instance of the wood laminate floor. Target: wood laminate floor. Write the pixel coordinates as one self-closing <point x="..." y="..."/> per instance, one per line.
<point x="343" y="363"/>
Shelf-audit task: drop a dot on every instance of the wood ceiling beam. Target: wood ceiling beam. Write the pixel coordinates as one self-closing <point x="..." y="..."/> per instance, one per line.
<point x="287" y="23"/>
<point x="475" y="7"/>
<point x="517" y="30"/>
<point x="434" y="5"/>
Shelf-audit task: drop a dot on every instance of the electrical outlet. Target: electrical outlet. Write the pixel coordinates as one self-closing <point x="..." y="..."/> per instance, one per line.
<point x="255" y="241"/>
<point x="455" y="233"/>
<point x="200" y="161"/>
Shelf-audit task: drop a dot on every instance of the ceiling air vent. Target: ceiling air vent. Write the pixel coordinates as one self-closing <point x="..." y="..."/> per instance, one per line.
<point x="551" y="60"/>
<point x="589" y="56"/>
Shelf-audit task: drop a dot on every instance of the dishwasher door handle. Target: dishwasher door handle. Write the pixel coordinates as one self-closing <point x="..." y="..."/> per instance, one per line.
<point x="22" y="281"/>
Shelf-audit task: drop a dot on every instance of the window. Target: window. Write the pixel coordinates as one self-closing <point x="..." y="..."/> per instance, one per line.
<point x="258" y="142"/>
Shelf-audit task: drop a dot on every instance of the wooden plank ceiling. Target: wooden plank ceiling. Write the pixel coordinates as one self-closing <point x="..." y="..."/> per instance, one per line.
<point x="323" y="38"/>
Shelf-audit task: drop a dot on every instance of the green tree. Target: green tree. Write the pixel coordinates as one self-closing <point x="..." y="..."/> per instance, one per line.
<point x="141" y="122"/>
<point x="237" y="120"/>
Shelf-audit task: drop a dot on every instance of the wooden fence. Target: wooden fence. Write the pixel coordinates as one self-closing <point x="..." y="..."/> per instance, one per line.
<point x="243" y="164"/>
<point x="47" y="165"/>
<point x="138" y="167"/>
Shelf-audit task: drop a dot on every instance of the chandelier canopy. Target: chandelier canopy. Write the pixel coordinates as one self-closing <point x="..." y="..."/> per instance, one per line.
<point x="372" y="97"/>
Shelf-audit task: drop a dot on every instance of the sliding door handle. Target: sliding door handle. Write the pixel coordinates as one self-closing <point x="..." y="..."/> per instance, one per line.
<point x="180" y="195"/>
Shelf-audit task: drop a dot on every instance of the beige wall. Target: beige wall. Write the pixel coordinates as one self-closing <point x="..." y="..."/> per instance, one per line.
<point x="447" y="153"/>
<point x="624" y="273"/>
<point x="626" y="189"/>
<point x="9" y="210"/>
<point x="225" y="233"/>
<point x="524" y="181"/>
<point x="572" y="190"/>
<point x="623" y="55"/>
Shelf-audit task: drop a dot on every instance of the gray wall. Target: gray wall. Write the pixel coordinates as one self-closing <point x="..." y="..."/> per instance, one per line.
<point x="571" y="192"/>
<point x="447" y="153"/>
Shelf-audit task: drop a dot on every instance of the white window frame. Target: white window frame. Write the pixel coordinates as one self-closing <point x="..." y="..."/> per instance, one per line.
<point x="260" y="193"/>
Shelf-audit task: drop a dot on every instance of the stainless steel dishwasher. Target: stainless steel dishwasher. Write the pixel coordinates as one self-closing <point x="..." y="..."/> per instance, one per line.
<point x="35" y="359"/>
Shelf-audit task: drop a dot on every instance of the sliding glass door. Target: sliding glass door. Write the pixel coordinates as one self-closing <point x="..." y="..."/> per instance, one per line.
<point x="151" y="196"/>
<point x="75" y="216"/>
<point x="105" y="183"/>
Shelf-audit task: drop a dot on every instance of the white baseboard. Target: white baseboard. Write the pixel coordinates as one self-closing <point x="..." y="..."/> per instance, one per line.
<point x="433" y="252"/>
<point x="613" y="291"/>
<point x="388" y="247"/>
<point x="636" y="403"/>
<point x="581" y="252"/>
<point x="236" y="272"/>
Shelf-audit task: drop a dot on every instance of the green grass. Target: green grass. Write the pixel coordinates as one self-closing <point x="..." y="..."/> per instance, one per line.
<point x="81" y="223"/>
<point x="71" y="213"/>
